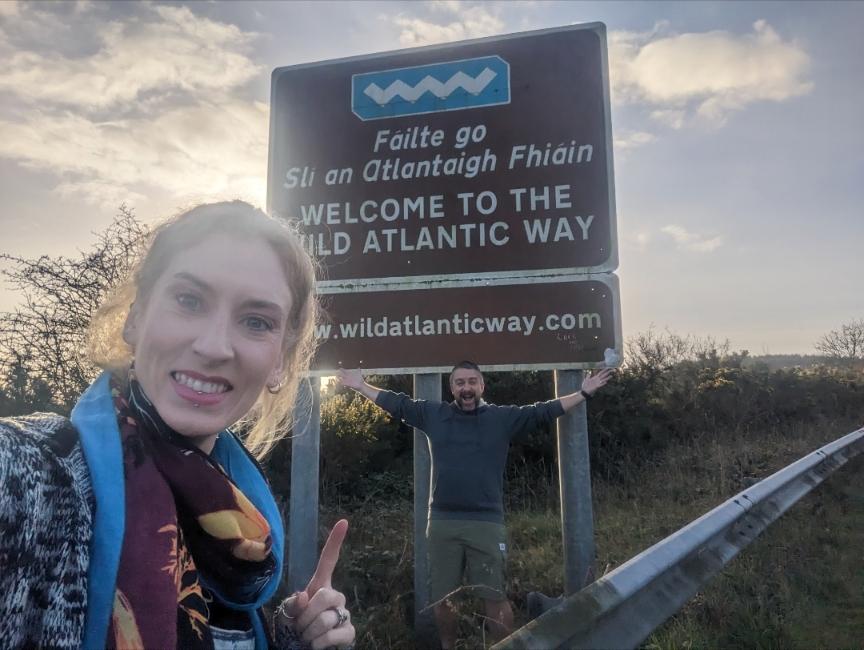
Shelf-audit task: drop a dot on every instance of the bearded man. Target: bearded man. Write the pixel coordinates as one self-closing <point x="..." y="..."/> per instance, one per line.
<point x="468" y="442"/>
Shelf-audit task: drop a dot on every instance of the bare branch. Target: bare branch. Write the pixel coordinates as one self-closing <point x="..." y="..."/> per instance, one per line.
<point x="844" y="344"/>
<point x="42" y="342"/>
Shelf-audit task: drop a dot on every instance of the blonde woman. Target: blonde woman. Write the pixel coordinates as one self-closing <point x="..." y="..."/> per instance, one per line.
<point x="144" y="521"/>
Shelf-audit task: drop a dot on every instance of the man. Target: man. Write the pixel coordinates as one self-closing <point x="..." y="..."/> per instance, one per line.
<point x="469" y="440"/>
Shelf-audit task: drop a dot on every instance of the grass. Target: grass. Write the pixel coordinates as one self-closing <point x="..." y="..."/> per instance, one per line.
<point x="800" y="585"/>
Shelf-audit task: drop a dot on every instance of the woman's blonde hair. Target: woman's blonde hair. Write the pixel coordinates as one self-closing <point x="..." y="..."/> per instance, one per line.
<point x="271" y="417"/>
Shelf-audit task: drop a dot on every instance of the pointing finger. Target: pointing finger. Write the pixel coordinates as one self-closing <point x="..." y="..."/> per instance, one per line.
<point x="329" y="557"/>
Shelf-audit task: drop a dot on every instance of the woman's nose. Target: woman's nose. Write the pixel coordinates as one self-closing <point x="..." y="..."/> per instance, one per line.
<point x="213" y="341"/>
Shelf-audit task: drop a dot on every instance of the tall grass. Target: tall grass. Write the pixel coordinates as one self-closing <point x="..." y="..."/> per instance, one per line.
<point x="799" y="586"/>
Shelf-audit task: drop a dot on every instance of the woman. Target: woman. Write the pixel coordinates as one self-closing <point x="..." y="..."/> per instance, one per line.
<point x="145" y="522"/>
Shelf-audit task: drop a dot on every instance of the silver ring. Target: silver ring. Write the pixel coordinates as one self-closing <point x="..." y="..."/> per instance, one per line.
<point x="341" y="616"/>
<point x="280" y="611"/>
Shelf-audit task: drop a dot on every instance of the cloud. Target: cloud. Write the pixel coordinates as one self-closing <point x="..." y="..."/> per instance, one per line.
<point x="204" y="151"/>
<point x="170" y="50"/>
<point x="107" y="194"/>
<point x="635" y="240"/>
<point x="461" y="20"/>
<point x="692" y="241"/>
<point x="707" y="74"/>
<point x="9" y="8"/>
<point x="156" y="103"/>
<point x="673" y="118"/>
<point x="627" y="140"/>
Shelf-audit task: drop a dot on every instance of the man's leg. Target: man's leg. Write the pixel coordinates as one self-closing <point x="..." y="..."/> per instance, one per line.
<point x="485" y="556"/>
<point x="500" y="617"/>
<point x="446" y="565"/>
<point x="445" y="619"/>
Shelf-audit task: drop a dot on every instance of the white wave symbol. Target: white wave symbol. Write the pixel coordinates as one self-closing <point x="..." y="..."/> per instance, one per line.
<point x="432" y="85"/>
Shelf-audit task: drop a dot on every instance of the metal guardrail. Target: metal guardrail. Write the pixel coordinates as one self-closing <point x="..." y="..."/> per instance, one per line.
<point x="623" y="607"/>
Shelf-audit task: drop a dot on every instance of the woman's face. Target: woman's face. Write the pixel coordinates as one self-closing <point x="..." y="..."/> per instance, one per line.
<point x="209" y="337"/>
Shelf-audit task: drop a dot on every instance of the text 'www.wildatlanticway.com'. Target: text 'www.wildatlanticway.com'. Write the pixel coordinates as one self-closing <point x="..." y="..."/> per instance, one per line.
<point x="370" y="327"/>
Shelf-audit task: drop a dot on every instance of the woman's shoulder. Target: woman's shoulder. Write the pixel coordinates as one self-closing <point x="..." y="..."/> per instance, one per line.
<point x="39" y="451"/>
<point x="39" y="432"/>
<point x="35" y="423"/>
<point x="46" y="515"/>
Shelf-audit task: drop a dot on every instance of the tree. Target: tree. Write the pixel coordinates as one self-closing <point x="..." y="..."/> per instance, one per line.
<point x="23" y="394"/>
<point x="650" y="353"/>
<point x="845" y="344"/>
<point x="44" y="339"/>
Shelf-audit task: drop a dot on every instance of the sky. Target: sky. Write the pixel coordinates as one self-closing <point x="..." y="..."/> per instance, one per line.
<point x="737" y="135"/>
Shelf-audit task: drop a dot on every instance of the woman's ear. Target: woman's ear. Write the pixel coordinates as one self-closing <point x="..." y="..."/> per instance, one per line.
<point x="276" y="377"/>
<point x="130" y="327"/>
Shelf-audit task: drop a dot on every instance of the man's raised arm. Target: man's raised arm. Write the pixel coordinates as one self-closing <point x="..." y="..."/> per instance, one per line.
<point x="590" y="385"/>
<point x="354" y="379"/>
<point x="400" y="406"/>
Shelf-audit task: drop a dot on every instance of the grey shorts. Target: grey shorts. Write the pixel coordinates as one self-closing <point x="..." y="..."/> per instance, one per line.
<point x="475" y="549"/>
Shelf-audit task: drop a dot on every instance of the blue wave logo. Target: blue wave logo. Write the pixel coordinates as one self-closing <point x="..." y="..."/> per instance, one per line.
<point x="451" y="86"/>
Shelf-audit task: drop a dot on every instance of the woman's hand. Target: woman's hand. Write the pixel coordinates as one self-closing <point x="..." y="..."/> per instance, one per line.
<point x="317" y="614"/>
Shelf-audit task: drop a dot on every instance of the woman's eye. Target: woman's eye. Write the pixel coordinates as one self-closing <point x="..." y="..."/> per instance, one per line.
<point x="189" y="301"/>
<point x="257" y="324"/>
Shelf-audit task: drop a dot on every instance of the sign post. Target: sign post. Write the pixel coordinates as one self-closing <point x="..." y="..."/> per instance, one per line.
<point x="303" y="517"/>
<point x="574" y="476"/>
<point x="426" y="386"/>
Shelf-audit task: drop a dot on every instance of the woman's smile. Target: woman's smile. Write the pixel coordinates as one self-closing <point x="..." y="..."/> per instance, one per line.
<point x="199" y="389"/>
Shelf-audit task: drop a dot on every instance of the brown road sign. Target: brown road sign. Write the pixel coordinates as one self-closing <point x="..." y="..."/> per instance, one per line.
<point x="486" y="158"/>
<point x="530" y="325"/>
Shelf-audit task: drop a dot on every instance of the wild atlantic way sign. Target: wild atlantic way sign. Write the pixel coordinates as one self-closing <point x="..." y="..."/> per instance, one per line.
<point x="433" y="180"/>
<point x="484" y="158"/>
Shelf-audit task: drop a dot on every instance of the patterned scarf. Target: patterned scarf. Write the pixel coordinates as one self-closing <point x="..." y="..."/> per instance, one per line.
<point x="187" y="526"/>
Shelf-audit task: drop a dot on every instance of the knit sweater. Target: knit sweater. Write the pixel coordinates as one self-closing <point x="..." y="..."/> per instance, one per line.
<point x="468" y="449"/>
<point x="46" y="515"/>
<point x="62" y="521"/>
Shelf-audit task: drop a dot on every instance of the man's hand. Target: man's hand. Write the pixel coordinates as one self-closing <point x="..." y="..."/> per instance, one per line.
<point x="318" y="612"/>
<point x="596" y="380"/>
<point x="351" y="378"/>
<point x="354" y="379"/>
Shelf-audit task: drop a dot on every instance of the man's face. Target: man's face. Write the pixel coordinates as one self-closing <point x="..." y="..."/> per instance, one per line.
<point x="467" y="388"/>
